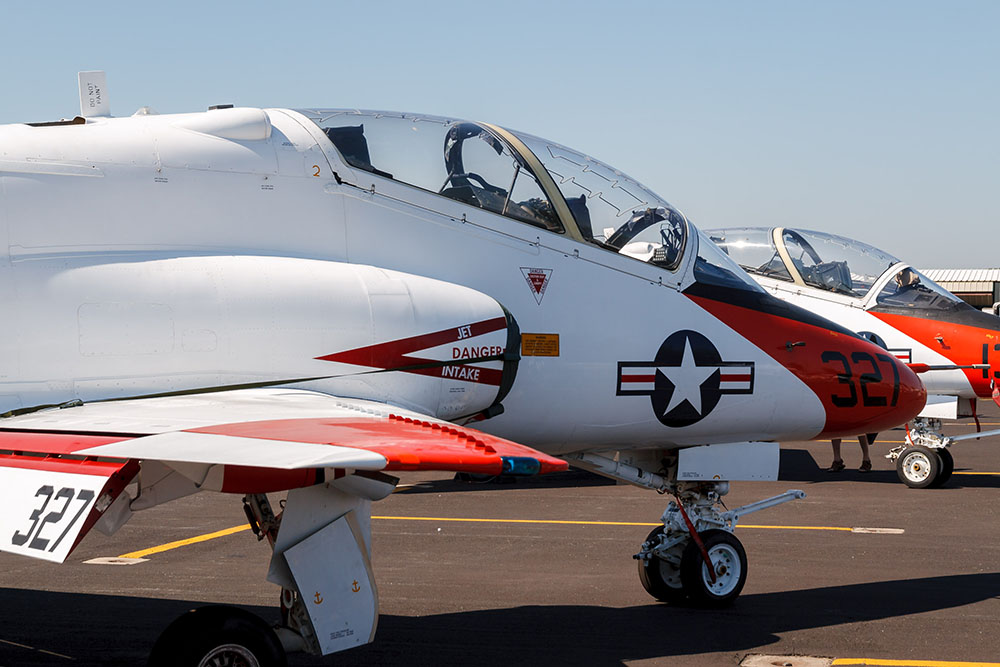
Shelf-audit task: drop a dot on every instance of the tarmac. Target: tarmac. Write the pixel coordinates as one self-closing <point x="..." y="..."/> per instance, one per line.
<point x="862" y="571"/>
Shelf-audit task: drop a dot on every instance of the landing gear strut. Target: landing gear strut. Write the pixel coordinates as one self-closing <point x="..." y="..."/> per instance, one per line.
<point x="694" y="556"/>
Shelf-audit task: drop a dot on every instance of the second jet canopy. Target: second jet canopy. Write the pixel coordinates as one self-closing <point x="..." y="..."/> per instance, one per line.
<point x="832" y="263"/>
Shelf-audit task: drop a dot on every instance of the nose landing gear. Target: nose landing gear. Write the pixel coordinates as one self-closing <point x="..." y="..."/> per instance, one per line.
<point x="694" y="556"/>
<point x="709" y="571"/>
<point x="925" y="460"/>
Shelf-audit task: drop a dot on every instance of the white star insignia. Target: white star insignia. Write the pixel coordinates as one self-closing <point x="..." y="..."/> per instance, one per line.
<point x="687" y="379"/>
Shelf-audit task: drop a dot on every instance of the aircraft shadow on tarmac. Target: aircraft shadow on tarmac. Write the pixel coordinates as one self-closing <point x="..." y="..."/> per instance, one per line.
<point x="116" y="630"/>
<point x="800" y="465"/>
<point x="572" y="478"/>
<point x="797" y="465"/>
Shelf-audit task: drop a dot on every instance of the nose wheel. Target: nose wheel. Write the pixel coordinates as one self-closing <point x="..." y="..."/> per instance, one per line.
<point x="680" y="573"/>
<point x="729" y="564"/>
<point x="947" y="466"/>
<point x="925" y="460"/>
<point x="661" y="576"/>
<point x="921" y="467"/>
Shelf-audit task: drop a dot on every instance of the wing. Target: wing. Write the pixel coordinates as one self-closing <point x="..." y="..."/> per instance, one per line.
<point x="63" y="471"/>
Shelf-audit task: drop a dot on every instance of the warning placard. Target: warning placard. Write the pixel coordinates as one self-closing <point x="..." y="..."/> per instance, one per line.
<point x="539" y="345"/>
<point x="538" y="281"/>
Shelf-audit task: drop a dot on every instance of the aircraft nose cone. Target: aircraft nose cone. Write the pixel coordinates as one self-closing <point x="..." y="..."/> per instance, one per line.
<point x="862" y="387"/>
<point x="866" y="389"/>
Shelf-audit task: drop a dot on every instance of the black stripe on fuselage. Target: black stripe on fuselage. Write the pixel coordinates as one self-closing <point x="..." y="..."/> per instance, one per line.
<point x="765" y="303"/>
<point x="960" y="313"/>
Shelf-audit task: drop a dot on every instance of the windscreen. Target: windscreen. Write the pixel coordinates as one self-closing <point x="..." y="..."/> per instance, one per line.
<point x="911" y="289"/>
<point x="714" y="267"/>
<point x="612" y="208"/>
<point x="753" y="249"/>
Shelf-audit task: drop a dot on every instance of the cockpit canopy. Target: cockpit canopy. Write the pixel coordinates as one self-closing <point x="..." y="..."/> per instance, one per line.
<point x="831" y="263"/>
<point x="525" y="178"/>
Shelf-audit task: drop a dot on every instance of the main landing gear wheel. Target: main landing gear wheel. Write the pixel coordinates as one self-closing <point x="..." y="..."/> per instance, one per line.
<point x="218" y="636"/>
<point x="947" y="467"/>
<point x="729" y="561"/>
<point x="918" y="467"/>
<point x="662" y="578"/>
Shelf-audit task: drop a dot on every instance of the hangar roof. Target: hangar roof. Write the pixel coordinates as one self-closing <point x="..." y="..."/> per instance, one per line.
<point x="962" y="275"/>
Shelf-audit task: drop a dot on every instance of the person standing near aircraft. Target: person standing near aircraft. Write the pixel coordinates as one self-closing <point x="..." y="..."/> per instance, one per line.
<point x="838" y="461"/>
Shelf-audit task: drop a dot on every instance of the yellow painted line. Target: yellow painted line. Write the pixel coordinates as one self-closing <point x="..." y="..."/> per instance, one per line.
<point x="840" y="528"/>
<point x="976" y="473"/>
<point x="911" y="663"/>
<point x="32" y="648"/>
<point x="58" y="655"/>
<point x="550" y="521"/>
<point x="595" y="523"/>
<point x="183" y="543"/>
<point x="237" y="529"/>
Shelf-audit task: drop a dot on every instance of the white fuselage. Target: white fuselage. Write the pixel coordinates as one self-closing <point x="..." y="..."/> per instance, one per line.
<point x="157" y="254"/>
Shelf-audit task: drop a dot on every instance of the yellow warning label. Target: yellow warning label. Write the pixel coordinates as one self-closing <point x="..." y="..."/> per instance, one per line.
<point x="539" y="345"/>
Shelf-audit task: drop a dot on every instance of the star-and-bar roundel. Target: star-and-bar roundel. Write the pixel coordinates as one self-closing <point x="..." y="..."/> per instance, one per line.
<point x="686" y="379"/>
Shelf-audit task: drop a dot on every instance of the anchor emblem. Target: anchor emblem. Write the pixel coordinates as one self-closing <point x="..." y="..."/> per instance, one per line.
<point x="318" y="598"/>
<point x="355" y="586"/>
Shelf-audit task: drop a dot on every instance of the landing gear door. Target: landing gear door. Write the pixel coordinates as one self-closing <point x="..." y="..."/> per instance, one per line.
<point x="334" y="577"/>
<point x="733" y="461"/>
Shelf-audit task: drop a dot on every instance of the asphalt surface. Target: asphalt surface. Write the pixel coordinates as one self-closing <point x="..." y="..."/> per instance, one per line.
<point x="542" y="593"/>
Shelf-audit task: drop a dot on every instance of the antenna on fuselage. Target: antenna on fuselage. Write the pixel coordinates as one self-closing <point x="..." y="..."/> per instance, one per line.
<point x="94" y="94"/>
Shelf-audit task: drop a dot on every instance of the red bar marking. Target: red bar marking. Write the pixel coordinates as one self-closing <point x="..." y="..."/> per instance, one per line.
<point x="638" y="378"/>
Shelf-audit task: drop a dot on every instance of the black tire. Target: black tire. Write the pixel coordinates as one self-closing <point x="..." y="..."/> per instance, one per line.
<point x="947" y="467"/>
<point x="918" y="466"/>
<point x="661" y="579"/>
<point x="217" y="636"/>
<point x="730" y="560"/>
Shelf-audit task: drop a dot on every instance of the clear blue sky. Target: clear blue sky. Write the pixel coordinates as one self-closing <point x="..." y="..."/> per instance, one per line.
<point x="871" y="119"/>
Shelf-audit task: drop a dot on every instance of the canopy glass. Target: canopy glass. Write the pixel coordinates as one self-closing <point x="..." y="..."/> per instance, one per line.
<point x="526" y="178"/>
<point x="831" y="263"/>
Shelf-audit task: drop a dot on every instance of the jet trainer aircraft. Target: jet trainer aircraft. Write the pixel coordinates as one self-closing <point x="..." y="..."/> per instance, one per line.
<point x="257" y="300"/>
<point x="952" y="344"/>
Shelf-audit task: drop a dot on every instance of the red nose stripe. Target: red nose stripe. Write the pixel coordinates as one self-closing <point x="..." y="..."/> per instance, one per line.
<point x="863" y="388"/>
<point x="961" y="344"/>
